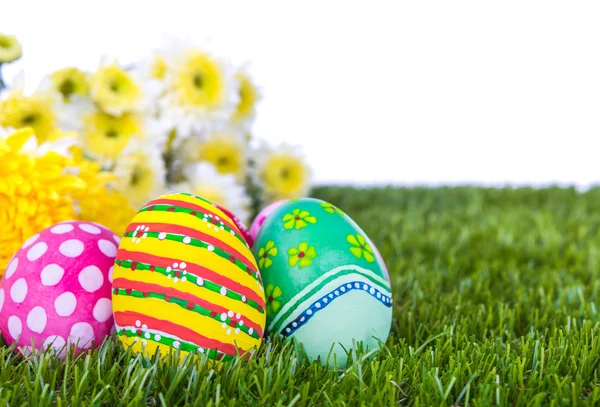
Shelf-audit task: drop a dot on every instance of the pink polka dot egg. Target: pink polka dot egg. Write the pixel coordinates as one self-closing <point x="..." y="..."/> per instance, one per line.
<point x="262" y="216"/>
<point x="56" y="290"/>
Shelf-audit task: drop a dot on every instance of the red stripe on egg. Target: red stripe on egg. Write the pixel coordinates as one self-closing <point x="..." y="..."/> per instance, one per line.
<point x="194" y="207"/>
<point x="129" y="318"/>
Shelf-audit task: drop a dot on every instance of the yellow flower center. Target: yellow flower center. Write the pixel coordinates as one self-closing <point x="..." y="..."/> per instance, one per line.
<point x="224" y="153"/>
<point x="284" y="175"/>
<point x="10" y="49"/>
<point x="70" y="81"/>
<point x="114" y="89"/>
<point x="105" y="135"/>
<point x="199" y="81"/>
<point x="28" y="111"/>
<point x="248" y="98"/>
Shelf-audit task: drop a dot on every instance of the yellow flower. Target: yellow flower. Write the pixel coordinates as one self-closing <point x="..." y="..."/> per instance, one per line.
<point x="158" y="68"/>
<point x="226" y="151"/>
<point x="199" y="81"/>
<point x="298" y="219"/>
<point x="10" y="49"/>
<point x="69" y="81"/>
<point x="115" y="90"/>
<point x="273" y="293"/>
<point x="360" y="247"/>
<point x="264" y="253"/>
<point x="40" y="187"/>
<point x="282" y="174"/>
<point x="248" y="97"/>
<point x="302" y="255"/>
<point x="35" y="111"/>
<point x="141" y="173"/>
<point x="105" y="136"/>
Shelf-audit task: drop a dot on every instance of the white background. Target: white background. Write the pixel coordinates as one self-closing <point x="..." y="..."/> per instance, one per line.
<point x="375" y="92"/>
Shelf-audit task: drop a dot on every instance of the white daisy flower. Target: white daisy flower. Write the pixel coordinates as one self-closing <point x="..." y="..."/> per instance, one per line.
<point x="225" y="149"/>
<point x="118" y="91"/>
<point x="204" y="181"/>
<point x="281" y="173"/>
<point x="140" y="172"/>
<point x="201" y="90"/>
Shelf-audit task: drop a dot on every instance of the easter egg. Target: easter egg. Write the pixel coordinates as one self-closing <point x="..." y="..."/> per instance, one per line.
<point x="185" y="279"/>
<point x="239" y="224"/>
<point x="56" y="290"/>
<point x="262" y="216"/>
<point x="324" y="284"/>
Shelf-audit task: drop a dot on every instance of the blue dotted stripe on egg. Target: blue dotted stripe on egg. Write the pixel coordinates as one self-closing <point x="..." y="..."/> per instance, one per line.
<point x="321" y="303"/>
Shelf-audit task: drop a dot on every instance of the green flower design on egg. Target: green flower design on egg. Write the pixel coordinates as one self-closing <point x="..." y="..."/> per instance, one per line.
<point x="298" y="219"/>
<point x="302" y="255"/>
<point x="360" y="247"/>
<point x="272" y="293"/>
<point x="265" y="254"/>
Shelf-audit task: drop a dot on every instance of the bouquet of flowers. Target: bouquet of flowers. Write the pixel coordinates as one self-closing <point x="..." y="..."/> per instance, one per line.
<point x="179" y="120"/>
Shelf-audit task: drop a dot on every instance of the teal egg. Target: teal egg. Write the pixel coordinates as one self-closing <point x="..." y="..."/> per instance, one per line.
<point x="325" y="284"/>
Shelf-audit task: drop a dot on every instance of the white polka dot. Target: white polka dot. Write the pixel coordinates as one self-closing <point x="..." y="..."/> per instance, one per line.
<point x="224" y="325"/>
<point x="65" y="304"/>
<point x="223" y="291"/>
<point x="157" y="337"/>
<point x="162" y="236"/>
<point x="102" y="310"/>
<point x="200" y="281"/>
<point x="318" y="305"/>
<point x="37" y="251"/>
<point x="309" y="312"/>
<point x="1" y="298"/>
<point x="18" y="291"/>
<point x="175" y="265"/>
<point x="238" y="316"/>
<point x="228" y="331"/>
<point x="55" y="342"/>
<point x="138" y="323"/>
<point x="184" y="279"/>
<point x="176" y="344"/>
<point x="14" y="326"/>
<point x="82" y="334"/>
<point x="91" y="278"/>
<point x="30" y="241"/>
<point x="147" y="335"/>
<point x="108" y="248"/>
<point x="12" y="267"/>
<point x="372" y="290"/>
<point x="187" y="240"/>
<point x="91" y="229"/>
<point x="243" y="298"/>
<point x="144" y="326"/>
<point x="182" y="265"/>
<point x="110" y="273"/>
<point x="210" y="248"/>
<point x="51" y="275"/>
<point x="223" y="316"/>
<point x="241" y="323"/>
<point x="36" y="319"/>
<point x="230" y="314"/>
<point x="71" y="248"/>
<point x="250" y="331"/>
<point x="117" y="239"/>
<point x="62" y="228"/>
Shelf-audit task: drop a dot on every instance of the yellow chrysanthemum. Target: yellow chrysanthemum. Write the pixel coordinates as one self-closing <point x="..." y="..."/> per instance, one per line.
<point x="10" y="49"/>
<point x="40" y="189"/>
<point x="282" y="174"/>
<point x="225" y="150"/>
<point x="141" y="173"/>
<point x="115" y="90"/>
<point x="105" y="136"/>
<point x="35" y="111"/>
<point x="248" y="97"/>
<point x="69" y="81"/>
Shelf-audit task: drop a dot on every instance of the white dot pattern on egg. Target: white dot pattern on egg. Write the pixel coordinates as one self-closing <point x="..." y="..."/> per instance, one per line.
<point x="56" y="290"/>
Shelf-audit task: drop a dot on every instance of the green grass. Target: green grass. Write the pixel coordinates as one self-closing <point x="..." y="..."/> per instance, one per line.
<point x="495" y="303"/>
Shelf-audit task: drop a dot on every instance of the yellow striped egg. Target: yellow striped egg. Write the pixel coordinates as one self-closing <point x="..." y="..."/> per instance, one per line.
<point x="184" y="278"/>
